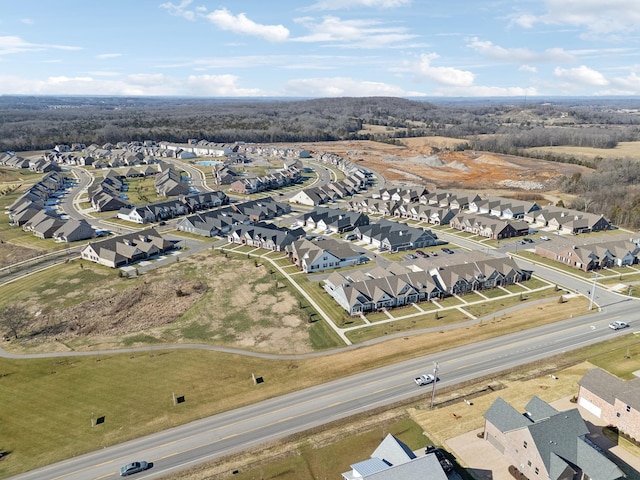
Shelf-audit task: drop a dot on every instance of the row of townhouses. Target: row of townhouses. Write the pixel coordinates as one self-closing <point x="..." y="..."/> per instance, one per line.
<point x="170" y="183"/>
<point x="183" y="205"/>
<point x="126" y="249"/>
<point x="332" y="191"/>
<point x="34" y="211"/>
<point x="264" y="235"/>
<point x="280" y="179"/>
<point x="591" y="256"/>
<point x="474" y="214"/>
<point x="331" y="218"/>
<point x="39" y="165"/>
<point x="392" y="236"/>
<point x="220" y="222"/>
<point x="370" y="290"/>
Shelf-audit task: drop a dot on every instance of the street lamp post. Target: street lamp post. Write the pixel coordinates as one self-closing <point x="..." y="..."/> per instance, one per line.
<point x="435" y="381"/>
<point x="593" y="291"/>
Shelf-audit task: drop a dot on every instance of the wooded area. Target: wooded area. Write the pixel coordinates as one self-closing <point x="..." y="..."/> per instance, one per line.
<point x="502" y="126"/>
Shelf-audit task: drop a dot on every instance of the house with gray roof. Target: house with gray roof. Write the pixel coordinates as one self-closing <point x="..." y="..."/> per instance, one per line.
<point x="393" y="236"/>
<point x="126" y="249"/>
<point x="264" y="235"/>
<point x="545" y="443"/>
<point x="312" y="257"/>
<point x="612" y="399"/>
<point x="394" y="460"/>
<point x="74" y="231"/>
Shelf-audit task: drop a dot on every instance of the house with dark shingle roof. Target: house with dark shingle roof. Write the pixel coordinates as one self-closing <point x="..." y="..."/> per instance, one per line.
<point x="394" y="460"/>
<point x="545" y="443"/>
<point x="126" y="249"/>
<point x="311" y="257"/>
<point x="611" y="399"/>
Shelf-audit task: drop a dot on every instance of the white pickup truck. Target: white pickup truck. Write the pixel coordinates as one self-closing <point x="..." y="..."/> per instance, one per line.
<point x="425" y="379"/>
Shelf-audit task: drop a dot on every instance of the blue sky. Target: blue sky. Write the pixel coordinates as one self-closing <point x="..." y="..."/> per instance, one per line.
<point x="320" y="48"/>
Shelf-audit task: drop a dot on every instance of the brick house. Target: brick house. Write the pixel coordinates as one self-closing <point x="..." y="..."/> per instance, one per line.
<point x="615" y="401"/>
<point x="546" y="444"/>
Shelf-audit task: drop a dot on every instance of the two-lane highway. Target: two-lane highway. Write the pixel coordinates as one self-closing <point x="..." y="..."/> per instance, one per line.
<point x="248" y="427"/>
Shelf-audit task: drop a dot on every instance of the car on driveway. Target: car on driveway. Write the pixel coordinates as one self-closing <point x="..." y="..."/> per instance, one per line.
<point x="410" y="256"/>
<point x="448" y="250"/>
<point x="133" y="467"/>
<point x="544" y="238"/>
<point x="618" y="325"/>
<point x="527" y="240"/>
<point x="422" y="254"/>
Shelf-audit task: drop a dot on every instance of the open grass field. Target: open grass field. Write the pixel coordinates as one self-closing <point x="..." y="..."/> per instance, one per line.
<point x="329" y="452"/>
<point x="622" y="150"/>
<point x="95" y="385"/>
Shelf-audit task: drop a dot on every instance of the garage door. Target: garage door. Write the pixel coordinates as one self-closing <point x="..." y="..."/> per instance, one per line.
<point x="590" y="407"/>
<point x="496" y="443"/>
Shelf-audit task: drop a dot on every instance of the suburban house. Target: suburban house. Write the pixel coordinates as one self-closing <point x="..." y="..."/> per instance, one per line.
<point x="313" y="196"/>
<point x="611" y="399"/>
<point x="264" y="235"/>
<point x="73" y="231"/>
<point x="311" y="257"/>
<point x="394" y="460"/>
<point x="338" y="220"/>
<point x="126" y="249"/>
<point x="489" y="226"/>
<point x="169" y="183"/>
<point x="547" y="444"/>
<point x="209" y="224"/>
<point x="567" y="221"/>
<point x="593" y="256"/>
<point x="362" y="291"/>
<point x="393" y="236"/>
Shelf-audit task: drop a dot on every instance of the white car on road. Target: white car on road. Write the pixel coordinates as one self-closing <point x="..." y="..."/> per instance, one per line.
<point x="618" y="325"/>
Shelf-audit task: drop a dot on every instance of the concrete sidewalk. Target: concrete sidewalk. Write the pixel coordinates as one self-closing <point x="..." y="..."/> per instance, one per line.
<point x="483" y="461"/>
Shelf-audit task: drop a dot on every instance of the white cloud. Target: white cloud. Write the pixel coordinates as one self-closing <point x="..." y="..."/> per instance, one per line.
<point x="343" y="4"/>
<point x="240" y="23"/>
<point x="343" y="87"/>
<point x="354" y="33"/>
<point x="423" y="70"/>
<point x="630" y="83"/>
<point x="179" y="10"/>
<point x="27" y="21"/>
<point x="597" y="16"/>
<point x="13" y="44"/>
<point x="519" y="55"/>
<point x="485" y="91"/>
<point x="528" y="68"/>
<point x="103" y="56"/>
<point x="219" y="85"/>
<point x="582" y="76"/>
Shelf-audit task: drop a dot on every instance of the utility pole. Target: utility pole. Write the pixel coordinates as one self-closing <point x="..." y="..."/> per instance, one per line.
<point x="593" y="291"/>
<point x="435" y="380"/>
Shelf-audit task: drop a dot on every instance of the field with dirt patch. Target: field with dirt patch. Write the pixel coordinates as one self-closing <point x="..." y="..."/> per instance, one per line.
<point x="212" y="298"/>
<point x="430" y="161"/>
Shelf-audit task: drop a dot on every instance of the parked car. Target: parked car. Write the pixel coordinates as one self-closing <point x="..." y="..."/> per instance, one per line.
<point x="448" y="250"/>
<point x="527" y="240"/>
<point x="544" y="238"/>
<point x="133" y="467"/>
<point x="410" y="256"/>
<point x="446" y="465"/>
<point x="328" y="231"/>
<point x="351" y="236"/>
<point x="422" y="254"/>
<point x="618" y="325"/>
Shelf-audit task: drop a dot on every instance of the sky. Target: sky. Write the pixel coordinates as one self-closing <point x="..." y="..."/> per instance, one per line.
<point x="320" y="48"/>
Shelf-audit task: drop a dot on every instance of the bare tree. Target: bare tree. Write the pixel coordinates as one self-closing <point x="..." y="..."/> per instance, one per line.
<point x="14" y="318"/>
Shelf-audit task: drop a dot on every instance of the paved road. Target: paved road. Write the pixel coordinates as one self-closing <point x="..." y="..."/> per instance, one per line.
<point x="249" y="426"/>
